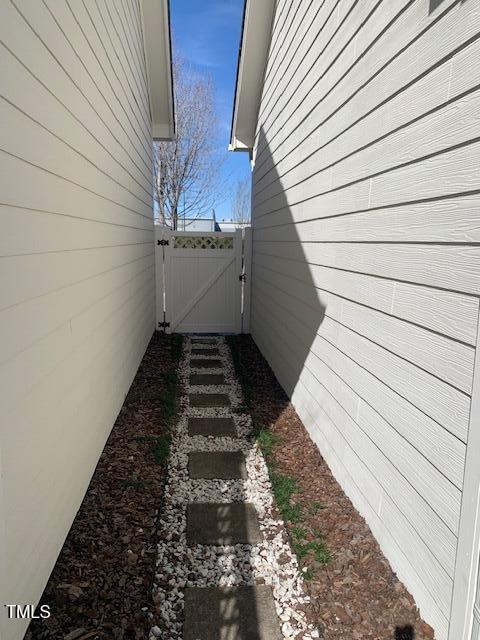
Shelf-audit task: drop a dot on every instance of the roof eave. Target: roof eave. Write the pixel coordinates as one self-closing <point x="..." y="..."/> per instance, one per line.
<point x="252" y="59"/>
<point x="237" y="145"/>
<point x="158" y="61"/>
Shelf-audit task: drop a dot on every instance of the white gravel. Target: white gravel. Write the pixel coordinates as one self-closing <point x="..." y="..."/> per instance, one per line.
<point x="178" y="566"/>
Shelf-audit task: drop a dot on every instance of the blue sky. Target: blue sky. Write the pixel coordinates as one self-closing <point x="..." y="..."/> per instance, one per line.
<point x="207" y="34"/>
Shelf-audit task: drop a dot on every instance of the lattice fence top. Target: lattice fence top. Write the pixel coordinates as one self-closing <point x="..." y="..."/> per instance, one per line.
<point x="203" y="242"/>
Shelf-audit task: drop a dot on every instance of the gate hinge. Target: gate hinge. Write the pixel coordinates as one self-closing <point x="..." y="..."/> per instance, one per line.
<point x="163" y="325"/>
<point x="242" y="277"/>
<point x="163" y="243"/>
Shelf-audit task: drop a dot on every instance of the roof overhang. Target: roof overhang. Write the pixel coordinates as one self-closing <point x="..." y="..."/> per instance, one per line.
<point x="252" y="59"/>
<point x="158" y="58"/>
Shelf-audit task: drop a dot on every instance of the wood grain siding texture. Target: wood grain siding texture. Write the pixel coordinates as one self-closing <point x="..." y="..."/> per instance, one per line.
<point x="77" y="273"/>
<point x="366" y="275"/>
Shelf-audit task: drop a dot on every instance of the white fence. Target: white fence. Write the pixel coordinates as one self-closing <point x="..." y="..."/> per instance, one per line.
<point x="203" y="281"/>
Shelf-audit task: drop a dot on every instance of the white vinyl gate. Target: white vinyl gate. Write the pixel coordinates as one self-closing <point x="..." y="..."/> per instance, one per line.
<point x="203" y="281"/>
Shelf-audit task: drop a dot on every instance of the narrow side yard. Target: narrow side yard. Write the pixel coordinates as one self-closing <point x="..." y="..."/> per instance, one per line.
<point x="101" y="585"/>
<point x="354" y="591"/>
<point x="225" y="569"/>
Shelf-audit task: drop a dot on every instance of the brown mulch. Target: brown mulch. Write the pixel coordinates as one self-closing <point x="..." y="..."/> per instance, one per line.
<point x="103" y="576"/>
<point x="357" y="595"/>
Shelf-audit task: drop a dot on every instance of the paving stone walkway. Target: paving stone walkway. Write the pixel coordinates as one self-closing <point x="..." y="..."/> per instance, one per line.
<point x="225" y="570"/>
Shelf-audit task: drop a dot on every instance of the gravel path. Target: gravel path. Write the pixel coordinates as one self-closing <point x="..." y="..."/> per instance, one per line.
<point x="179" y="566"/>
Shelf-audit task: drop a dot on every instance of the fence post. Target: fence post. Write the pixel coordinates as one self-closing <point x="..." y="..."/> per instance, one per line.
<point x="247" y="283"/>
<point x="159" y="285"/>
<point x="238" y="244"/>
<point x="162" y="235"/>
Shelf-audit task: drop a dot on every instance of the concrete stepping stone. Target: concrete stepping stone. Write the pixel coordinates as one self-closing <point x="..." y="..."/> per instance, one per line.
<point x="218" y="427"/>
<point x="205" y="352"/>
<point x="209" y="400"/>
<point x="221" y="524"/>
<point x="207" y="379"/>
<point x="230" y="613"/>
<point x="204" y="341"/>
<point x="204" y="363"/>
<point x="221" y="465"/>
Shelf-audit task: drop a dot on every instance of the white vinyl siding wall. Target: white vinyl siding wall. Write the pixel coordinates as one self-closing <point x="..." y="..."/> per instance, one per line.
<point x="476" y="613"/>
<point x="77" y="262"/>
<point x="366" y="264"/>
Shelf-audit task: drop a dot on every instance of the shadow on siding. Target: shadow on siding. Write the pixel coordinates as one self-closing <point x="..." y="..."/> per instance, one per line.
<point x="287" y="308"/>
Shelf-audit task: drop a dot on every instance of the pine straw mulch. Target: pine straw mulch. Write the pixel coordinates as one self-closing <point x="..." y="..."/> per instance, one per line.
<point x="356" y="595"/>
<point x="103" y="576"/>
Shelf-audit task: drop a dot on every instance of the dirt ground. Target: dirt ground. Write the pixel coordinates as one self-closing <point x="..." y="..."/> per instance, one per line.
<point x="356" y="595"/>
<point x="103" y="577"/>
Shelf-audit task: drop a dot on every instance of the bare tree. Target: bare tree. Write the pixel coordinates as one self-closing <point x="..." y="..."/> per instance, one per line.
<point x="186" y="181"/>
<point x="241" y="203"/>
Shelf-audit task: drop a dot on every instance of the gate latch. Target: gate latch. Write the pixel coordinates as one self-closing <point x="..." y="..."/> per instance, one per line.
<point x="242" y="277"/>
<point x="163" y="242"/>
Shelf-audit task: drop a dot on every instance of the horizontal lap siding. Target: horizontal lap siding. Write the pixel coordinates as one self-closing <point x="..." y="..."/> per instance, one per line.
<point x="366" y="259"/>
<point x="77" y="277"/>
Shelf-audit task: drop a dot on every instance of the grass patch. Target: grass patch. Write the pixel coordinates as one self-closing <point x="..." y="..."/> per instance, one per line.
<point x="320" y="550"/>
<point x="159" y="446"/>
<point x="169" y="400"/>
<point x="308" y="544"/>
<point x="307" y="574"/>
<point x="160" y="449"/>
<point x="315" y="507"/>
<point x="301" y="550"/>
<point x="177" y="344"/>
<point x="316" y="549"/>
<point x="284" y="487"/>
<point x="167" y="397"/>
<point x="298" y="533"/>
<point x="266" y="441"/>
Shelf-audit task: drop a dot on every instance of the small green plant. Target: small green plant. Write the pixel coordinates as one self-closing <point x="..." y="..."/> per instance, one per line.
<point x="307" y="574"/>
<point x="298" y="533"/>
<point x="316" y="547"/>
<point x="266" y="441"/>
<point x="169" y="397"/>
<point x="177" y="344"/>
<point x="315" y="507"/>
<point x="160" y="448"/>
<point x="284" y="487"/>
<point x="320" y="551"/>
<point x="169" y="402"/>
<point x="301" y="550"/>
